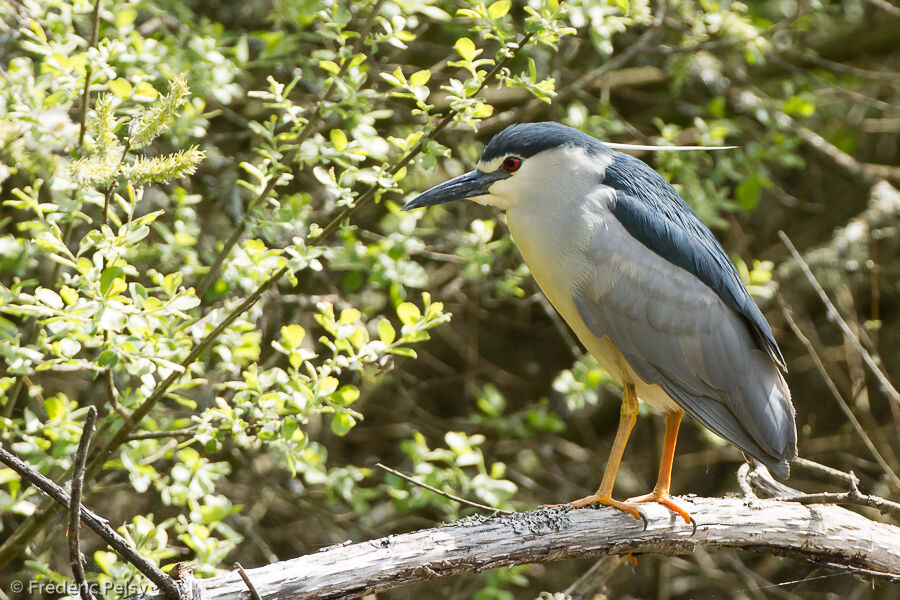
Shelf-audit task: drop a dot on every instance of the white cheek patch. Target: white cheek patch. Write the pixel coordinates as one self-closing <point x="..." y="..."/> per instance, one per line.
<point x="503" y="194"/>
<point x="558" y="173"/>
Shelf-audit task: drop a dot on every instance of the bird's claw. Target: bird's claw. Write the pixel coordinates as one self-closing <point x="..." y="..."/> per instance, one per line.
<point x="626" y="507"/>
<point x="666" y="500"/>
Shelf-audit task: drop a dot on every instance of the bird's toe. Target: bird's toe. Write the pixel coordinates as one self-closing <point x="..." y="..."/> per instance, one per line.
<point x="666" y="500"/>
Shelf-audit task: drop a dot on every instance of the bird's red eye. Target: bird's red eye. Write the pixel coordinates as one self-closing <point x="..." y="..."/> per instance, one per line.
<point x="512" y="163"/>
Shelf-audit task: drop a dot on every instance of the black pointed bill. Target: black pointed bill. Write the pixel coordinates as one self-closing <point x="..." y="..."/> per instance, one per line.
<point x="473" y="183"/>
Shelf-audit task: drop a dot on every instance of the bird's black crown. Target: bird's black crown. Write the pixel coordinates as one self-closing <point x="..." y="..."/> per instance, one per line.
<point x="527" y="139"/>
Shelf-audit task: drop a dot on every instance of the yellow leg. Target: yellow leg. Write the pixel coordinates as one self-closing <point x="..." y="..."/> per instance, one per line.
<point x="603" y="496"/>
<point x="660" y="492"/>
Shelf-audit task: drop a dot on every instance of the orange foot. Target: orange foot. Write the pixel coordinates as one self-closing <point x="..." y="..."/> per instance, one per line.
<point x="665" y="499"/>
<point x="631" y="509"/>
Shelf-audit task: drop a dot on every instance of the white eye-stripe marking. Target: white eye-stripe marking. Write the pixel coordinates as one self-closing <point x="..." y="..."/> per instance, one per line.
<point x="492" y="165"/>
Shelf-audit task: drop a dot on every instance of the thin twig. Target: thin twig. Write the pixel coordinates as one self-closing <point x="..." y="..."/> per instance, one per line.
<point x="842" y="68"/>
<point x="157" y="435"/>
<point x="860" y="98"/>
<point x="311" y="126"/>
<point x="40" y="517"/>
<point x="593" y="580"/>
<point x="887" y="387"/>
<point x="88" y="72"/>
<point x="254" y="595"/>
<point x="98" y="525"/>
<point x="836" y="393"/>
<point x="75" y="503"/>
<point x="424" y="485"/>
<point x="626" y="55"/>
<point x="415" y="150"/>
<point x="107" y="195"/>
<point x="853" y="497"/>
<point x="830" y="472"/>
<point x="867" y="172"/>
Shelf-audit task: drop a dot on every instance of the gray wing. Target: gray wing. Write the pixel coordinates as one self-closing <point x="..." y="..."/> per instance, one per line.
<point x="653" y="212"/>
<point x="676" y="332"/>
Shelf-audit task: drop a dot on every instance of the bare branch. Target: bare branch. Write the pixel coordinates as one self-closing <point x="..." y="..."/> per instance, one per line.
<point x="97" y="524"/>
<point x="819" y="533"/>
<point x="886" y="7"/>
<point x="88" y="73"/>
<point x="853" y="497"/>
<point x="311" y="126"/>
<point x="867" y="172"/>
<point x="254" y="595"/>
<point x="448" y="495"/>
<point x="886" y="385"/>
<point x="45" y="511"/>
<point x="836" y="393"/>
<point x="839" y="476"/>
<point x="841" y="67"/>
<point x="170" y="433"/>
<point x="367" y="196"/>
<point x="74" y="533"/>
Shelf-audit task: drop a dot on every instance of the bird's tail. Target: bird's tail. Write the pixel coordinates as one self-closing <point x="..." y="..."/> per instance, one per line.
<point x="754" y="413"/>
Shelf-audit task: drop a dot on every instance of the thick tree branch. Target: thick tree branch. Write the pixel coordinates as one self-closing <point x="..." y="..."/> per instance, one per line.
<point x="818" y="533"/>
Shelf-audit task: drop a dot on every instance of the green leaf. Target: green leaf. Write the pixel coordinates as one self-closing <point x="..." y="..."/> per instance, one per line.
<point x="329" y="66"/>
<point x="797" y="105"/>
<point x="48" y="297"/>
<point x="347" y="395"/>
<point x="419" y="78"/>
<point x="349" y="315"/>
<point x="747" y="192"/>
<point x="148" y="218"/>
<point x="386" y="332"/>
<point x="216" y="508"/>
<point x="409" y="313"/>
<point x="482" y="110"/>
<point x="120" y="88"/>
<point x="498" y="9"/>
<point x="338" y="140"/>
<point x="466" y="48"/>
<point x="408" y="352"/>
<point x="293" y="334"/>
<point x="109" y="275"/>
<point x="68" y="295"/>
<point x="145" y="89"/>
<point x="125" y="16"/>
<point x="55" y="407"/>
<point x="327" y="385"/>
<point x="357" y="60"/>
<point x="399" y="76"/>
<point x="342" y="423"/>
<point x="107" y="359"/>
<point x="105" y="560"/>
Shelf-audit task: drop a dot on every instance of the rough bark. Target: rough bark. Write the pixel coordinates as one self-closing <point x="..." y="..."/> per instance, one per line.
<point x="820" y="533"/>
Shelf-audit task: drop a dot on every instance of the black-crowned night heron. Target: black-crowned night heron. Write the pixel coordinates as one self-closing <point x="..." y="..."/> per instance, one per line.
<point x="646" y="288"/>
